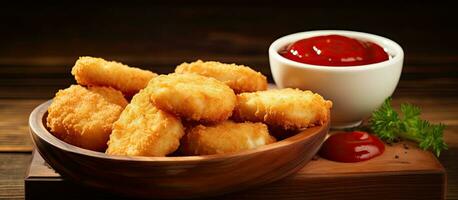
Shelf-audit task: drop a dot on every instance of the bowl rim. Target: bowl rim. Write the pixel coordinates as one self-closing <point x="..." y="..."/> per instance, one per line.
<point x="37" y="127"/>
<point x="382" y="41"/>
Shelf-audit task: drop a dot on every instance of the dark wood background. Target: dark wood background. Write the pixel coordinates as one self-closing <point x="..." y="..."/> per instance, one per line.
<point x="39" y="43"/>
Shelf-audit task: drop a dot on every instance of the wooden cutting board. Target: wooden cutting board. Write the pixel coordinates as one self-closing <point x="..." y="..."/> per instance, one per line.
<point x="402" y="172"/>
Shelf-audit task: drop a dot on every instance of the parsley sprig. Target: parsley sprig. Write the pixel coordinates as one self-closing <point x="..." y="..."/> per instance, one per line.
<point x="389" y="125"/>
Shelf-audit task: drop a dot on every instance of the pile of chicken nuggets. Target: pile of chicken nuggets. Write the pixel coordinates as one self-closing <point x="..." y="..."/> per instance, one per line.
<point x="203" y="108"/>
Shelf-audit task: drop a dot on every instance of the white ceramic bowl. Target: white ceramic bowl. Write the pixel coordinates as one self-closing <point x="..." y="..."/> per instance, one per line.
<point x="356" y="91"/>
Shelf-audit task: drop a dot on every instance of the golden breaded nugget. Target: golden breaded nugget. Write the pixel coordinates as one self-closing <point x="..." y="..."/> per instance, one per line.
<point x="193" y="97"/>
<point x="225" y="137"/>
<point x="144" y="130"/>
<point x="240" y="78"/>
<point x="287" y="108"/>
<point x="99" y="72"/>
<point x="84" y="117"/>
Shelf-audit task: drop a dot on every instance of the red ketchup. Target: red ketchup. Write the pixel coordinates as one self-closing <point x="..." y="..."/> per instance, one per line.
<point x="335" y="50"/>
<point x="353" y="146"/>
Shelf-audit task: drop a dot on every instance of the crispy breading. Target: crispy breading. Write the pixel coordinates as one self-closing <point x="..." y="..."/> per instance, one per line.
<point x="92" y="71"/>
<point x="287" y="108"/>
<point x="144" y="130"/>
<point x="238" y="77"/>
<point x="225" y="137"/>
<point x="193" y="97"/>
<point x="84" y="117"/>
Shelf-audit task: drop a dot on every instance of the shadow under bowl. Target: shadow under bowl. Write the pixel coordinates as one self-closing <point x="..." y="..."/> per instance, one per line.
<point x="175" y="177"/>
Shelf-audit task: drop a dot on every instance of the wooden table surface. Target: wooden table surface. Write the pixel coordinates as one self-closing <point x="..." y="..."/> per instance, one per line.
<point x="39" y="45"/>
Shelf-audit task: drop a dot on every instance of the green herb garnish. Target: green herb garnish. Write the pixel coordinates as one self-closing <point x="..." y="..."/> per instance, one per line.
<point x="389" y="125"/>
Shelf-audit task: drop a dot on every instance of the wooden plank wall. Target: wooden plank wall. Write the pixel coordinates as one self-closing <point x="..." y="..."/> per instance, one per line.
<point x="40" y="42"/>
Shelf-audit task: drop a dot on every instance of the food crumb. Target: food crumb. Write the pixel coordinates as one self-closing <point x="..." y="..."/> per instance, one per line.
<point x="405" y="146"/>
<point x="396" y="156"/>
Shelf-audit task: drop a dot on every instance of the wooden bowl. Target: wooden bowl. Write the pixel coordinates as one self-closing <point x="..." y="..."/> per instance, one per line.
<point x="175" y="177"/>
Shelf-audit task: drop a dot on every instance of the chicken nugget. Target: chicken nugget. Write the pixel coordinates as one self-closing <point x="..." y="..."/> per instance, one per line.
<point x="287" y="108"/>
<point x="84" y="117"/>
<point x="225" y="137"/>
<point x="238" y="77"/>
<point x="193" y="97"/>
<point x="99" y="72"/>
<point x="144" y="130"/>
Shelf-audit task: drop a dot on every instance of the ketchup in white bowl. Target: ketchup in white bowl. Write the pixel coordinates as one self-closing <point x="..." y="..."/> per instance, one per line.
<point x="334" y="50"/>
<point x="356" y="88"/>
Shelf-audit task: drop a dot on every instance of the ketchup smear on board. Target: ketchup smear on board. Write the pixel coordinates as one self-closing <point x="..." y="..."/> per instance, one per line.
<point x="353" y="146"/>
<point x="335" y="50"/>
